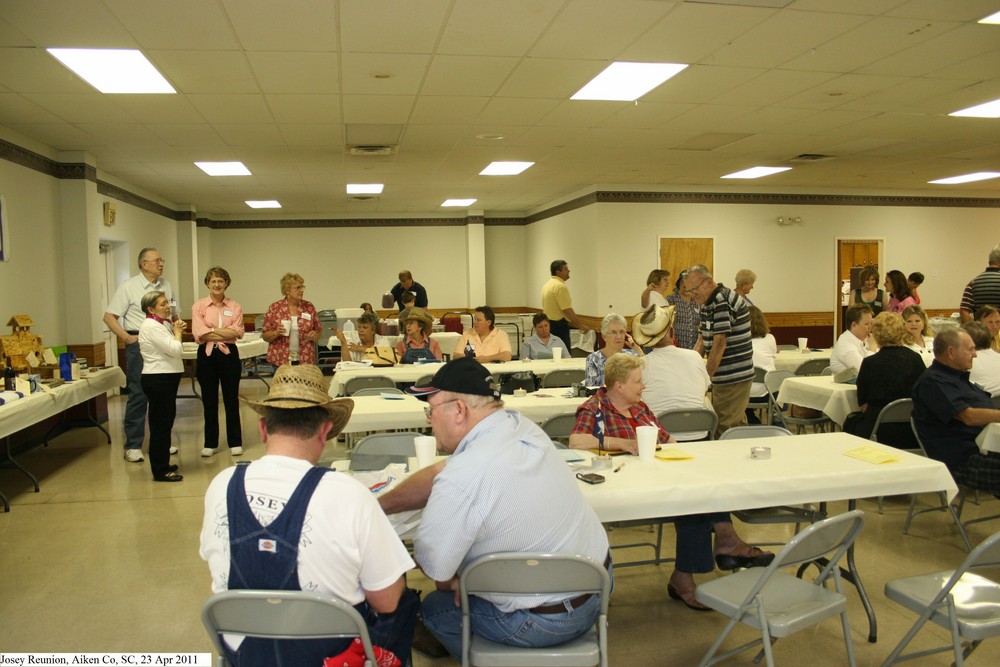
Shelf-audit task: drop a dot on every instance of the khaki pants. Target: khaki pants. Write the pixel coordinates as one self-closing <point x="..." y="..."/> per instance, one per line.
<point x="730" y="403"/>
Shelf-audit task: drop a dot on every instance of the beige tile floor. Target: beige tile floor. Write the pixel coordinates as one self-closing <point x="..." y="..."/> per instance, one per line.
<point x="103" y="559"/>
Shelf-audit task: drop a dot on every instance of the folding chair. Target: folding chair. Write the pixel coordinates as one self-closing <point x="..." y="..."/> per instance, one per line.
<point x="377" y="391"/>
<point x="679" y="422"/>
<point x="778" y="604"/>
<point x="896" y="412"/>
<point x="756" y="431"/>
<point x="376" y="451"/>
<point x="559" y="427"/>
<point x="540" y="575"/>
<point x="424" y="380"/>
<point x="282" y="615"/>
<point x="759" y="403"/>
<point x="773" y="381"/>
<point x="366" y="382"/>
<point x="812" y="367"/>
<point x="562" y="378"/>
<point x="966" y="604"/>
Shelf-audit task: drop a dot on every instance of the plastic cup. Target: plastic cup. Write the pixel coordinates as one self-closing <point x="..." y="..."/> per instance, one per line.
<point x="426" y="446"/>
<point x="286" y="325"/>
<point x="557" y="354"/>
<point x="803" y="344"/>
<point x="646" y="435"/>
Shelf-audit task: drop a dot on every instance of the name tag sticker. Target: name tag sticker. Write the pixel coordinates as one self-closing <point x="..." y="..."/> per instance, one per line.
<point x="227" y="313"/>
<point x="269" y="546"/>
<point x="306" y="316"/>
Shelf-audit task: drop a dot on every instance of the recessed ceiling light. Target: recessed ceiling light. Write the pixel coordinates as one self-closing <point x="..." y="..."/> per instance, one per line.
<point x="365" y="188"/>
<point x="967" y="178"/>
<point x="627" y="82"/>
<point x="459" y="202"/>
<point x="985" y="110"/>
<point x="114" y="70"/>
<point x="756" y="172"/>
<point x="490" y="137"/>
<point x="993" y="19"/>
<point x="223" y="168"/>
<point x="505" y="168"/>
<point x="263" y="203"/>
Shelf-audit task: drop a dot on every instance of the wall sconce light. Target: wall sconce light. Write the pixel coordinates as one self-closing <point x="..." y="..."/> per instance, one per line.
<point x="790" y="220"/>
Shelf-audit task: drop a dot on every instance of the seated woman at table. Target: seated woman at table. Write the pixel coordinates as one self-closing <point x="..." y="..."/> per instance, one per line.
<point x="885" y="376"/>
<point x="162" y="367"/>
<point x="363" y="338"/>
<point x="919" y="336"/>
<point x="765" y="349"/>
<point x="986" y="366"/>
<point x="417" y="344"/>
<point x="217" y="323"/>
<point x="540" y="344"/>
<point x="607" y="420"/>
<point x="484" y="341"/>
<point x="615" y="340"/>
<point x="899" y="290"/>
<point x="990" y="316"/>
<point x="869" y="294"/>
<point x="303" y="323"/>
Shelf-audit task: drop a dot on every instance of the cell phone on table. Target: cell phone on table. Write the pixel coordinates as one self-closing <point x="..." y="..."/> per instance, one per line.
<point x="590" y="477"/>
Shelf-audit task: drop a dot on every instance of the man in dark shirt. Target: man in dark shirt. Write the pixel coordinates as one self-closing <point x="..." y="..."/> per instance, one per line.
<point x="949" y="412"/>
<point x="407" y="284"/>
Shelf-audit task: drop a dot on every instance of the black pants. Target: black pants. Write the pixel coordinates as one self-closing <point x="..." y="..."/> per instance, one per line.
<point x="560" y="328"/>
<point x="161" y="391"/>
<point x="213" y="370"/>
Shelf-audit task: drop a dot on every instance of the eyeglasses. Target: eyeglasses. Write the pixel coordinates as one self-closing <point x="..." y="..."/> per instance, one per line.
<point x="154" y="261"/>
<point x="696" y="287"/>
<point x="430" y="408"/>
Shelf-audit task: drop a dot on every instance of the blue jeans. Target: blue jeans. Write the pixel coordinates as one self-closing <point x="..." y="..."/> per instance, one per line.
<point x="135" y="407"/>
<point x="694" y="541"/>
<point x="519" y="628"/>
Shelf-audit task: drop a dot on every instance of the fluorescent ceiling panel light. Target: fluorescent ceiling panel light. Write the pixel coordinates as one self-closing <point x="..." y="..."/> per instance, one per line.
<point x="993" y="19"/>
<point x="365" y="188"/>
<point x="756" y="172"/>
<point x="223" y="168"/>
<point x="967" y="178"/>
<point x="985" y="110"/>
<point x="505" y="168"/>
<point x="114" y="70"/>
<point x="459" y="202"/>
<point x="263" y="203"/>
<point x="627" y="82"/>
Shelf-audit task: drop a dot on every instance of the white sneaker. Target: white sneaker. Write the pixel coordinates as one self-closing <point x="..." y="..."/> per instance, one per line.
<point x="173" y="450"/>
<point x="206" y="452"/>
<point x="235" y="451"/>
<point x="133" y="455"/>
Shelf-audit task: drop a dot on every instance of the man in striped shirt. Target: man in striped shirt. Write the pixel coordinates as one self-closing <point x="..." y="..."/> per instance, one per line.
<point x="725" y="336"/>
<point x="984" y="289"/>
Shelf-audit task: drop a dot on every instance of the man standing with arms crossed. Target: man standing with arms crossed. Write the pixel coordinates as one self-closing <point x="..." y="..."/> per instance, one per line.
<point x="557" y="304"/>
<point x="125" y="304"/>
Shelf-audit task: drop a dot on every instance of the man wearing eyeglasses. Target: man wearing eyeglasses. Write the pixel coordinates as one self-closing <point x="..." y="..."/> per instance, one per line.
<point x="504" y="488"/>
<point x="725" y="337"/>
<point x="125" y="304"/>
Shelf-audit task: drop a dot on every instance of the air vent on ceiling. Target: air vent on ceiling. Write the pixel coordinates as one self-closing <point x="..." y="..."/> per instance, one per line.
<point x="364" y="151"/>
<point x="810" y="157"/>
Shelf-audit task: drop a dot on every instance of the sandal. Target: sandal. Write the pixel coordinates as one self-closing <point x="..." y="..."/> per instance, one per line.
<point x="680" y="596"/>
<point x="171" y="476"/>
<point x="747" y="556"/>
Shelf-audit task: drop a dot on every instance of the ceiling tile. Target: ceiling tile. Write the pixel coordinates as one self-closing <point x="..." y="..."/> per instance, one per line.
<point x="266" y="25"/>
<point x="377" y="108"/>
<point x="305" y="108"/>
<point x="466" y="75"/>
<point x="507" y="28"/>
<point x="361" y="71"/>
<point x="223" y="108"/>
<point x="206" y="71"/>
<point x="596" y="30"/>
<point x="178" y="24"/>
<point x="295" y="73"/>
<point x="388" y="26"/>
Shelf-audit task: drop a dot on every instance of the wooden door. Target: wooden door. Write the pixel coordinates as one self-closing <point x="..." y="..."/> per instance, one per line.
<point x="853" y="253"/>
<point x="677" y="254"/>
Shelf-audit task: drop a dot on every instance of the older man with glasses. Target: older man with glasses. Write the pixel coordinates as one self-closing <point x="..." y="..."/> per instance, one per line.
<point x="725" y="337"/>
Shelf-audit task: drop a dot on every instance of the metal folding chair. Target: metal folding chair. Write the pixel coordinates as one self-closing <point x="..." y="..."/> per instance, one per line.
<point x="562" y="378"/>
<point x="694" y="420"/>
<point x="812" y="367"/>
<point x="377" y="391"/>
<point x="559" y="427"/>
<point x="368" y="382"/>
<point x="896" y="412"/>
<point x="380" y="449"/>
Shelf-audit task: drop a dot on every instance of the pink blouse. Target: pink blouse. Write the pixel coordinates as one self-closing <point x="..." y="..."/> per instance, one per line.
<point x="206" y="315"/>
<point x="897" y="306"/>
<point x="277" y="351"/>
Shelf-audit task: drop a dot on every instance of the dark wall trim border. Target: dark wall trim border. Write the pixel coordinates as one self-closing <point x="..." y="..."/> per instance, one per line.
<point x="332" y="222"/>
<point x="797" y="199"/>
<point x="115" y="192"/>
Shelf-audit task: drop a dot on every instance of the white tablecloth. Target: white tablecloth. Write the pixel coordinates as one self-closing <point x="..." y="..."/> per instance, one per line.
<point x="989" y="438"/>
<point x="374" y="413"/>
<point x="821" y="393"/>
<point x="32" y="409"/>
<point x="789" y="360"/>
<point x="413" y="372"/>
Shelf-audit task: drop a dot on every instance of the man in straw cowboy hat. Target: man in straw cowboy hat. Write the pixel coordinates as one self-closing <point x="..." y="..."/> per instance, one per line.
<point x="283" y="523"/>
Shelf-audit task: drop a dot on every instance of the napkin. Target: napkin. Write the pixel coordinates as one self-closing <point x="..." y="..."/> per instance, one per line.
<point x="872" y="454"/>
<point x="671" y="454"/>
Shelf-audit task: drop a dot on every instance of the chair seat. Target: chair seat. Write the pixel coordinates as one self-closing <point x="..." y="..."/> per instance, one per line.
<point x="580" y="652"/>
<point x="799" y="604"/>
<point x="779" y="514"/>
<point x="977" y="601"/>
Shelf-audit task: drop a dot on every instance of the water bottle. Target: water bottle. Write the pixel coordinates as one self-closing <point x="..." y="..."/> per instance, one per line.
<point x="8" y="376"/>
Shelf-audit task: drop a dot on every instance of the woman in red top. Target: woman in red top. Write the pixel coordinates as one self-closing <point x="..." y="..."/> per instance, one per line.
<point x="302" y="319"/>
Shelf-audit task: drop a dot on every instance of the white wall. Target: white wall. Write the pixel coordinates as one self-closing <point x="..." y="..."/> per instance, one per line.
<point x="505" y="266"/>
<point x="575" y="237"/>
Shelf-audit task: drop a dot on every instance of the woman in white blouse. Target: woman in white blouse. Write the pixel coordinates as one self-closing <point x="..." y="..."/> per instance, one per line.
<point x="765" y="349"/>
<point x="919" y="336"/>
<point x="162" y="367"/>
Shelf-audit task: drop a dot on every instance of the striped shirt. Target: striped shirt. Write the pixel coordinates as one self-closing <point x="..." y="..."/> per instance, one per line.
<point x="984" y="290"/>
<point x="726" y="313"/>
<point x="505" y="489"/>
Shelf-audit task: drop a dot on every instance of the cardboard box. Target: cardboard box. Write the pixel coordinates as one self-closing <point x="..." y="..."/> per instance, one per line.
<point x="46" y="371"/>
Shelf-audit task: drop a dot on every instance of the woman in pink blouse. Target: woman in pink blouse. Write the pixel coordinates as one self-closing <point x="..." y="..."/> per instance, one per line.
<point x="217" y="323"/>
<point x="302" y="319"/>
<point x="895" y="283"/>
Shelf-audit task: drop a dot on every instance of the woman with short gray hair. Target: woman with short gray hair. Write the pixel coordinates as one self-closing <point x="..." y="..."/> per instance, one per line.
<point x="616" y="339"/>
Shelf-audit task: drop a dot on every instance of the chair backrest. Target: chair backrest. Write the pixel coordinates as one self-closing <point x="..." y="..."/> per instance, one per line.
<point x="377" y="391"/>
<point x="812" y="367"/>
<point x="685" y="421"/>
<point x="996" y="401"/>
<point x="897" y="412"/>
<point x="758" y="374"/>
<point x="563" y="378"/>
<point x="559" y="426"/>
<point x="830" y="537"/>
<point x="773" y="380"/>
<point x="788" y="347"/>
<point x="282" y="615"/>
<point x="827" y="371"/>
<point x="424" y="380"/>
<point x="757" y="431"/>
<point x="399" y="444"/>
<point x="368" y="381"/>
<point x="920" y="443"/>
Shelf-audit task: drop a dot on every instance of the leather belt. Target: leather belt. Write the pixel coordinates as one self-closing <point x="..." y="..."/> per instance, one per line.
<point x="574" y="603"/>
<point x="132" y="333"/>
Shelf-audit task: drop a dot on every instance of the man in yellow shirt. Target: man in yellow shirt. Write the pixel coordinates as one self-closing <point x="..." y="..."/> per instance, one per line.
<point x="484" y="342"/>
<point x="557" y="303"/>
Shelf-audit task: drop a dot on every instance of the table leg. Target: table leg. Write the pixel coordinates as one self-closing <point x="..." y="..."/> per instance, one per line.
<point x="6" y="505"/>
<point x="10" y="457"/>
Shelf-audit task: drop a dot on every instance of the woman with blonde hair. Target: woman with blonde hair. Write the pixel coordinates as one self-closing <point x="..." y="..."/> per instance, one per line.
<point x="919" y="336"/>
<point x="990" y="316"/>
<point x="302" y="319"/>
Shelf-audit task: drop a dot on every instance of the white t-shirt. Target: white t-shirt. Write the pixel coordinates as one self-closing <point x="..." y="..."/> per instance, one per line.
<point x="675" y="379"/>
<point x="657" y="299"/>
<point x="986" y="371"/>
<point x="849" y="352"/>
<point x="347" y="541"/>
<point x="765" y="349"/>
<point x="161" y="352"/>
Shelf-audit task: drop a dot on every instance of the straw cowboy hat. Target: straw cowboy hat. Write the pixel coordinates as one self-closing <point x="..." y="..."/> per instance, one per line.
<point x="419" y="315"/>
<point x="297" y="387"/>
<point x="652" y="324"/>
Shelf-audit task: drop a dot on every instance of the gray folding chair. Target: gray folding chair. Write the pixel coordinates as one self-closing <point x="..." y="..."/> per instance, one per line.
<point x="282" y="615"/>
<point x="996" y="402"/>
<point x="377" y="391"/>
<point x="812" y="367"/>
<point x="773" y="381"/>
<point x="368" y="382"/>
<point x="559" y="427"/>
<point x="965" y="604"/>
<point x="778" y="604"/>
<point x="376" y="451"/>
<point x="896" y="412"/>
<point x="754" y="431"/>
<point x="539" y="575"/>
<point x="689" y="421"/>
<point x="424" y="380"/>
<point x="562" y="378"/>
<point x="759" y="403"/>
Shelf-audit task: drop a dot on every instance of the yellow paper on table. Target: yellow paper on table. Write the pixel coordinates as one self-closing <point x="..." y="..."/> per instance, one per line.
<point x="872" y="454"/>
<point x="672" y="455"/>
